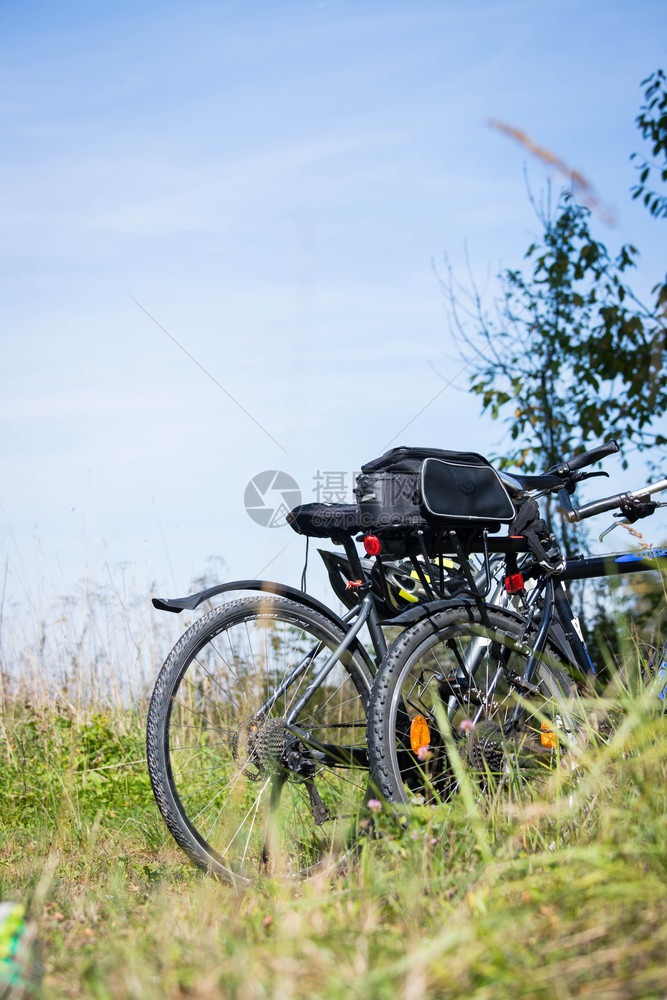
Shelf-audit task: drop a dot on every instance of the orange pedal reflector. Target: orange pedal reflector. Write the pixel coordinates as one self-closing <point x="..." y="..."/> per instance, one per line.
<point x="420" y="734"/>
<point x="548" y="736"/>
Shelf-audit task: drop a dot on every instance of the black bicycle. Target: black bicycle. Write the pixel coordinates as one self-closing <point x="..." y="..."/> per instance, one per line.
<point x="256" y="732"/>
<point x="500" y="683"/>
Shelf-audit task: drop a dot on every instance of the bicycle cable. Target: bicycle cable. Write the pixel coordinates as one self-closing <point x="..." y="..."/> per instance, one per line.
<point x="305" y="568"/>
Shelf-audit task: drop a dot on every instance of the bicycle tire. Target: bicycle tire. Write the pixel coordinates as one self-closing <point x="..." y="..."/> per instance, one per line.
<point x="217" y="767"/>
<point x="422" y="655"/>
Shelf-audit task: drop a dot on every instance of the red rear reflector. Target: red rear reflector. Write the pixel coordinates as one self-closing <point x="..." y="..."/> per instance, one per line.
<point x="514" y="583"/>
<point x="372" y="545"/>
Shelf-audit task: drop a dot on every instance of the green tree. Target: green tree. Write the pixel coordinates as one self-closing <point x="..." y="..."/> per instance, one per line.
<point x="652" y="123"/>
<point x="573" y="357"/>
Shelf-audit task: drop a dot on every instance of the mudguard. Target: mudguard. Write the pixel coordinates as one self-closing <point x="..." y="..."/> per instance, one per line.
<point x="424" y="609"/>
<point x="428" y="608"/>
<point x="178" y="604"/>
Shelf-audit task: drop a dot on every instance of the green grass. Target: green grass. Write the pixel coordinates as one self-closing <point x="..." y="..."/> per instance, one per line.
<point x="563" y="896"/>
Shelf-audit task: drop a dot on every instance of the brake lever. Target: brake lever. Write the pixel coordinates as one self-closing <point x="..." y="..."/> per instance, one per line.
<point x="591" y="475"/>
<point x="610" y="528"/>
<point x="623" y="519"/>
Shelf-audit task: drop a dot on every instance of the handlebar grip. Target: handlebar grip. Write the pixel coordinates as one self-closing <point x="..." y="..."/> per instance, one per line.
<point x="597" y="507"/>
<point x="594" y="455"/>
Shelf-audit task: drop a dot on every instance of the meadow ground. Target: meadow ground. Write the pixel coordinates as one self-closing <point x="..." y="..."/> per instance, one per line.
<point x="559" y="897"/>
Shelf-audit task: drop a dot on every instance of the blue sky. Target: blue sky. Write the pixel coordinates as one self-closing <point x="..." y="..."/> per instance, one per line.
<point x="271" y="183"/>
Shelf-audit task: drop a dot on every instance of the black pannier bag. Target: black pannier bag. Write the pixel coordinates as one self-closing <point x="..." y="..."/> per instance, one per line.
<point x="429" y="488"/>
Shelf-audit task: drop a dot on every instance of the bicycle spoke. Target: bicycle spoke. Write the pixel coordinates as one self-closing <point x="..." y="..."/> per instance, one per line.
<point x="339" y="706"/>
<point x="218" y="729"/>
<point x="245" y="849"/>
<point x="238" y="829"/>
<point x="230" y="784"/>
<point x="203" y="770"/>
<point x="208" y="698"/>
<point x="215" y="681"/>
<point x="198" y="749"/>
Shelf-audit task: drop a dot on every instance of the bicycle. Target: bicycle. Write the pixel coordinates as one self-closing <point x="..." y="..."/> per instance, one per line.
<point x="499" y="684"/>
<point x="256" y="728"/>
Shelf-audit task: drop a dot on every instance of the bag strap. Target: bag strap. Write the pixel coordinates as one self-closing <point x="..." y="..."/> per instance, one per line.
<point x="534" y="529"/>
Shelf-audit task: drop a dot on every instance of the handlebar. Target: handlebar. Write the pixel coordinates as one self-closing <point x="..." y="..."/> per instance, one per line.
<point x="568" y="475"/>
<point x="586" y="458"/>
<point x="610" y="503"/>
<point x="596" y="507"/>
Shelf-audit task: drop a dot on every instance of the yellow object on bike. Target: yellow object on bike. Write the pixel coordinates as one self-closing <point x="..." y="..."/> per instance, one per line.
<point x="412" y="597"/>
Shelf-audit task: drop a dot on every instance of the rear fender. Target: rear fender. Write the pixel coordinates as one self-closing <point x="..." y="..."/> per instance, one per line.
<point x="178" y="604"/>
<point x="426" y="610"/>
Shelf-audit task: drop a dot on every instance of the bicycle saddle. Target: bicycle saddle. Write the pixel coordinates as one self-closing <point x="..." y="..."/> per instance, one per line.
<point x="325" y="520"/>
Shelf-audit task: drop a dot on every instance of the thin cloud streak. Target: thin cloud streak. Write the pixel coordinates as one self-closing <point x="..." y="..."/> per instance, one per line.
<point x="212" y="377"/>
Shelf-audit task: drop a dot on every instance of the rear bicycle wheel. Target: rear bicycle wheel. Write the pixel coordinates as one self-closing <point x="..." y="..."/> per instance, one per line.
<point x="243" y="794"/>
<point x="452" y="682"/>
